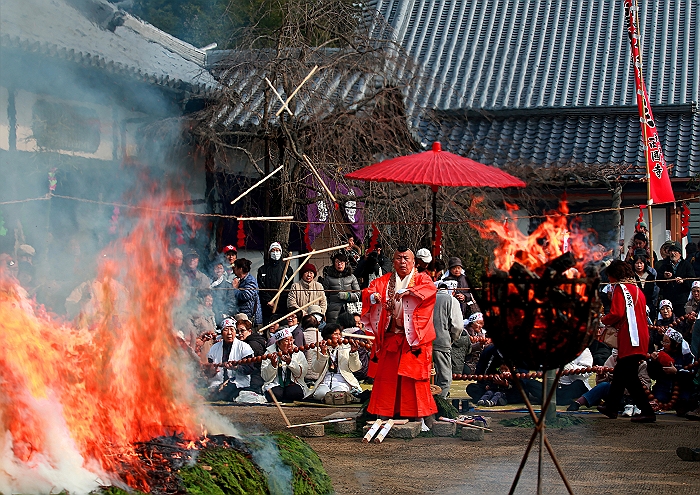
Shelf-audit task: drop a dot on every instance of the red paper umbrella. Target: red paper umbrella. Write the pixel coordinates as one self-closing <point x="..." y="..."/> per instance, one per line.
<point x="436" y="168"/>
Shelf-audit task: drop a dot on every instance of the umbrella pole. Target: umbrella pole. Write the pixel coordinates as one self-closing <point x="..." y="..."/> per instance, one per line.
<point x="434" y="234"/>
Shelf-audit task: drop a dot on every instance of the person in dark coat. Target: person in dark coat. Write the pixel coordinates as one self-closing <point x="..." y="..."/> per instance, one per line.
<point x="678" y="271"/>
<point x="645" y="278"/>
<point x="340" y="285"/>
<point x="246" y="291"/>
<point x="269" y="280"/>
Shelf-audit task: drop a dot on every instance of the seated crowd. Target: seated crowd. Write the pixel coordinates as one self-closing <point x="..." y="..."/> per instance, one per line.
<point x="230" y="315"/>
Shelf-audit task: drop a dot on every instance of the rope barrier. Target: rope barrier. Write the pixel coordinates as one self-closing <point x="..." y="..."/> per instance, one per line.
<point x="236" y="217"/>
<point x="279" y="354"/>
<point x="530" y="375"/>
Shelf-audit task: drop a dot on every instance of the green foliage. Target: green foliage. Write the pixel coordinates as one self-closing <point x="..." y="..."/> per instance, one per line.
<point x="220" y="471"/>
<point x="199" y="22"/>
<point x="445" y="408"/>
<point x="309" y="477"/>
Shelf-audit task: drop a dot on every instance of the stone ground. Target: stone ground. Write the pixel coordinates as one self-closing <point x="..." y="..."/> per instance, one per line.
<point x="602" y="456"/>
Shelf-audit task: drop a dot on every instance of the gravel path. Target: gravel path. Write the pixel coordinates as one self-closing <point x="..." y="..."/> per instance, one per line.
<point x="602" y="456"/>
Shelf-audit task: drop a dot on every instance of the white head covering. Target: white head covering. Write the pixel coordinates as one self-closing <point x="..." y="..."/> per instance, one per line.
<point x="424" y="255"/>
<point x="664" y="302"/>
<point x="275" y="245"/>
<point x="676" y="336"/>
<point x="475" y="317"/>
<point x="282" y="334"/>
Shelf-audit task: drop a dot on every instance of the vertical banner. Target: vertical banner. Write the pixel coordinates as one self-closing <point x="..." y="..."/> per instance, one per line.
<point x="660" y="190"/>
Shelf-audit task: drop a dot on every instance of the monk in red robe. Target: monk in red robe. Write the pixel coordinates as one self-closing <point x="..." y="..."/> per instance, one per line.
<point x="397" y="309"/>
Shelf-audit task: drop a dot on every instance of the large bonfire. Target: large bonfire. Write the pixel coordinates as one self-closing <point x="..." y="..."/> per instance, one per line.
<point x="76" y="399"/>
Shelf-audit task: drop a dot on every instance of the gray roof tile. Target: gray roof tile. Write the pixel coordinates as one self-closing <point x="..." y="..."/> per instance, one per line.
<point x="525" y="54"/>
<point x="56" y="29"/>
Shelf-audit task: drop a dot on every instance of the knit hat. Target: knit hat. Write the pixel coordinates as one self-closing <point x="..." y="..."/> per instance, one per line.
<point x="424" y="255"/>
<point x="282" y="334"/>
<point x="308" y="267"/>
<point x="275" y="245"/>
<point x="452" y="262"/>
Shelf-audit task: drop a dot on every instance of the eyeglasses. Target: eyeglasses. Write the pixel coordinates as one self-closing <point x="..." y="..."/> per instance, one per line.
<point x="293" y="317"/>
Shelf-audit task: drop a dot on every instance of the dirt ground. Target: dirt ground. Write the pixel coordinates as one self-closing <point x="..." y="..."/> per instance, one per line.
<point x="601" y="456"/>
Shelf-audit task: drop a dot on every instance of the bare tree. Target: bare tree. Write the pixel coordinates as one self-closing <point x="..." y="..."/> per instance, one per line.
<point x="348" y="114"/>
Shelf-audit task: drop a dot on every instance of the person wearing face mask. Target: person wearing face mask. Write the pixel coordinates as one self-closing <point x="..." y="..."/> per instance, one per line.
<point x="269" y="279"/>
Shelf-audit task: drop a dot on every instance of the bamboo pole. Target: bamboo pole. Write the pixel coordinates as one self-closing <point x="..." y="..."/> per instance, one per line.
<point x="325" y="250"/>
<point x="260" y="182"/>
<point x="283" y="286"/>
<point x="290" y="313"/>
<point x="279" y="97"/>
<point x="265" y="219"/>
<point x="279" y="408"/>
<point x="275" y="300"/>
<point x="313" y="71"/>
<point x="337" y="420"/>
<point x="357" y="336"/>
<point x="313" y="169"/>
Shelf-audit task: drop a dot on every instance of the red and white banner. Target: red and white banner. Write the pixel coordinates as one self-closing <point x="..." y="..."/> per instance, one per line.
<point x="660" y="190"/>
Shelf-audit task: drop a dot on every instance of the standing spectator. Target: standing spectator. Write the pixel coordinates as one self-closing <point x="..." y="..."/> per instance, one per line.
<point x="192" y="278"/>
<point x="456" y="281"/>
<point x="225" y="304"/>
<point x="284" y="375"/>
<point x="663" y="251"/>
<point x="693" y="256"/>
<point x="230" y="253"/>
<point x="269" y="280"/>
<point x="423" y="259"/>
<point x="677" y="271"/>
<point x="448" y="323"/>
<point x="368" y="269"/>
<point x="306" y="290"/>
<point x="353" y="252"/>
<point x="341" y="286"/>
<point x="628" y="315"/>
<point x="246" y="291"/>
<point x="645" y="277"/>
<point x="639" y="242"/>
<point x="227" y="381"/>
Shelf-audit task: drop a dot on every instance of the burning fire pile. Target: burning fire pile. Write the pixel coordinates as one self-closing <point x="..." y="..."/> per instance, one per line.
<point x="78" y="403"/>
<point x="539" y="306"/>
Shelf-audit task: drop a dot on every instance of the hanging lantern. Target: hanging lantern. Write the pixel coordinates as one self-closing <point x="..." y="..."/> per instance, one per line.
<point x="241" y="235"/>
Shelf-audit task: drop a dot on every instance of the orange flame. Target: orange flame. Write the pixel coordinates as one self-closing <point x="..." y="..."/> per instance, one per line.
<point x="99" y="387"/>
<point x="552" y="238"/>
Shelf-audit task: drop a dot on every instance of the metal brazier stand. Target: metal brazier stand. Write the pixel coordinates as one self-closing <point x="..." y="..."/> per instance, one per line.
<point x="540" y="324"/>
